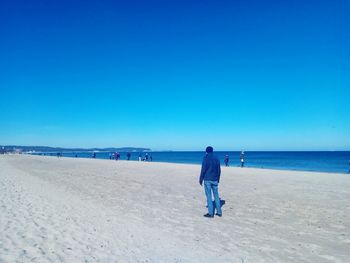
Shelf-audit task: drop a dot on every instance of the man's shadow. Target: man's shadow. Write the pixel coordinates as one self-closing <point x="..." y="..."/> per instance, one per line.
<point x="222" y="202"/>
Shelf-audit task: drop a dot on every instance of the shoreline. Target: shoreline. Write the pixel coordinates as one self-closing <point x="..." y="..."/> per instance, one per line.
<point x="222" y="165"/>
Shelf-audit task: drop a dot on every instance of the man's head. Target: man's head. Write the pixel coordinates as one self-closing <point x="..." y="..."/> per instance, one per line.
<point x="209" y="149"/>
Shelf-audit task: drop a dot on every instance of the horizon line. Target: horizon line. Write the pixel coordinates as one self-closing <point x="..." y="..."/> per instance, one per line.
<point x="169" y="150"/>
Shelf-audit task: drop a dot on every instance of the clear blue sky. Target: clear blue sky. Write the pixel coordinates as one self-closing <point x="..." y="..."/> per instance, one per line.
<point x="179" y="75"/>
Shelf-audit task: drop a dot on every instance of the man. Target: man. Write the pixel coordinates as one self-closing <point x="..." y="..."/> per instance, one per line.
<point x="241" y="157"/>
<point x="210" y="174"/>
<point x="226" y="160"/>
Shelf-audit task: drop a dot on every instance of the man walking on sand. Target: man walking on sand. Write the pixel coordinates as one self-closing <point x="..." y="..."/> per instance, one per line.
<point x="241" y="157"/>
<point x="210" y="174"/>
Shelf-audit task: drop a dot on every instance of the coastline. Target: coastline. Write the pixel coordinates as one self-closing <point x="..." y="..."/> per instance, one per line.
<point x="312" y="161"/>
<point x="66" y="209"/>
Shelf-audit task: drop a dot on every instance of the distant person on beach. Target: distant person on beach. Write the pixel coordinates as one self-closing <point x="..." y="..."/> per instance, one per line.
<point x="226" y="160"/>
<point x="128" y="155"/>
<point x="241" y="157"/>
<point x="117" y="156"/>
<point x="146" y="157"/>
<point x="94" y="155"/>
<point x="150" y="157"/>
<point x="140" y="157"/>
<point x="110" y="155"/>
<point x="210" y="174"/>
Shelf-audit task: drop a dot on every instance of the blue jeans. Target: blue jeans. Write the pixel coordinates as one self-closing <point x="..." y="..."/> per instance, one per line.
<point x="212" y="186"/>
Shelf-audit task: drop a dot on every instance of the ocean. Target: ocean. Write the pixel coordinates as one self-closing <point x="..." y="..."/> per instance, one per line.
<point x="320" y="161"/>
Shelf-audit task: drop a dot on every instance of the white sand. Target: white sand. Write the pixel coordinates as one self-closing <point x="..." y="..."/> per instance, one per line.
<point x="85" y="210"/>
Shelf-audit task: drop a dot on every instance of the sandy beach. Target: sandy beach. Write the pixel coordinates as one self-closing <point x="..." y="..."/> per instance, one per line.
<point x="89" y="210"/>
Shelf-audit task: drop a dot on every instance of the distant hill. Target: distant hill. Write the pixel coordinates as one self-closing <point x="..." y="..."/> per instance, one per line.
<point x="44" y="149"/>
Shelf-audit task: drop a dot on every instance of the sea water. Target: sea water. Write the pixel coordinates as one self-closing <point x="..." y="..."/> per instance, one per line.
<point x="325" y="161"/>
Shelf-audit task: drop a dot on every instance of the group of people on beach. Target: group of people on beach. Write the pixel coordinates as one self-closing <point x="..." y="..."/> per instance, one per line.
<point x="146" y="158"/>
<point x="241" y="158"/>
<point x="116" y="156"/>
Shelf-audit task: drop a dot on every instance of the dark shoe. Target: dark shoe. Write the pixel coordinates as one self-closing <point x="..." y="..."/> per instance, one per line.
<point x="208" y="215"/>
<point x="219" y="215"/>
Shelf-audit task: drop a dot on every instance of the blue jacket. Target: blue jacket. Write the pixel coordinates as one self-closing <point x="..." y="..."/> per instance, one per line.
<point x="210" y="168"/>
